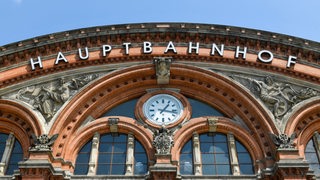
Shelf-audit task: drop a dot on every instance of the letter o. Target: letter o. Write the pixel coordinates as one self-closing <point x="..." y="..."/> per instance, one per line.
<point x="265" y="60"/>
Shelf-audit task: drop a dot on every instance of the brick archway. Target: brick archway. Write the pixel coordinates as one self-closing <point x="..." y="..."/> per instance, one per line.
<point x="19" y="120"/>
<point x="225" y="126"/>
<point x="129" y="83"/>
<point x="125" y="125"/>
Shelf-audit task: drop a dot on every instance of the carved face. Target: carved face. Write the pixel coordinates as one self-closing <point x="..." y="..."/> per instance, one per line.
<point x="269" y="80"/>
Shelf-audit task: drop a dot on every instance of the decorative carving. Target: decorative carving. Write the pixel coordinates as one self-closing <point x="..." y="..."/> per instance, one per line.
<point x="94" y="154"/>
<point x="278" y="97"/>
<point x="196" y="154"/>
<point x="113" y="124"/>
<point x="163" y="141"/>
<point x="283" y="141"/>
<point x="49" y="97"/>
<point x="43" y="142"/>
<point x="130" y="155"/>
<point x="163" y="69"/>
<point x="212" y="121"/>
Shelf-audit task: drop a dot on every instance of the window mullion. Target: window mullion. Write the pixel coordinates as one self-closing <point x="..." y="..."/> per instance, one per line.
<point x="94" y="154"/>
<point x="6" y="154"/>
<point x="233" y="155"/>
<point x="130" y="155"/>
<point x="196" y="154"/>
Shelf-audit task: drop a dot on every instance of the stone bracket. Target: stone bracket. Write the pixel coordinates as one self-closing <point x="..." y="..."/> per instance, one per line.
<point x="212" y="122"/>
<point x="162" y="65"/>
<point x="113" y="124"/>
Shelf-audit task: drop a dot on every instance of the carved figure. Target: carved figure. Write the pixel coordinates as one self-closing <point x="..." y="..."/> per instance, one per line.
<point x="79" y="82"/>
<point x="162" y="70"/>
<point x="163" y="140"/>
<point x="270" y="93"/>
<point x="49" y="97"/>
<point x="45" y="102"/>
<point x="43" y="142"/>
<point x="283" y="141"/>
<point x="278" y="97"/>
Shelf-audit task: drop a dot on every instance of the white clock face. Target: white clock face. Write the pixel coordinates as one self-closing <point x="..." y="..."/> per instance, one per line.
<point x="163" y="109"/>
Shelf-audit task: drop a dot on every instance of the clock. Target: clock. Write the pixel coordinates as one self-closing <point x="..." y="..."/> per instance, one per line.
<point x="163" y="109"/>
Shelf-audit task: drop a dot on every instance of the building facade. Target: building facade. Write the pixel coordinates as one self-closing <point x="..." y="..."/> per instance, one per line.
<point x="160" y="101"/>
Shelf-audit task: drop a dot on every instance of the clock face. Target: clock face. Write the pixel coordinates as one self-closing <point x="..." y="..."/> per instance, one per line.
<point x="163" y="109"/>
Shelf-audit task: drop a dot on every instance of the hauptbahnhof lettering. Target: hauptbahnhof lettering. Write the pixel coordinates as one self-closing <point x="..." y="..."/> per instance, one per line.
<point x="264" y="56"/>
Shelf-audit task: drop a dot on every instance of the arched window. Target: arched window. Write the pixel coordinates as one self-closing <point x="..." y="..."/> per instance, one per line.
<point x="211" y="154"/>
<point x="10" y="152"/>
<point x="312" y="153"/>
<point x="82" y="163"/>
<point x="110" y="153"/>
<point x="200" y="109"/>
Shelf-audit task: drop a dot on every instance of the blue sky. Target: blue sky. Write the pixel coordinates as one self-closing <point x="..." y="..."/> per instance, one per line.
<point x="24" y="19"/>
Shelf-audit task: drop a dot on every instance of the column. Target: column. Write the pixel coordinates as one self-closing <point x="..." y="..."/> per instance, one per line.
<point x="196" y="154"/>
<point x="233" y="155"/>
<point x="130" y="155"/>
<point x="94" y="154"/>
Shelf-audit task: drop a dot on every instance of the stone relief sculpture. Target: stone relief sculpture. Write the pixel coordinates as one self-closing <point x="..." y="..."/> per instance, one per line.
<point x="162" y="66"/>
<point x="163" y="141"/>
<point x="48" y="98"/>
<point x="43" y="142"/>
<point x="278" y="97"/>
<point x="283" y="141"/>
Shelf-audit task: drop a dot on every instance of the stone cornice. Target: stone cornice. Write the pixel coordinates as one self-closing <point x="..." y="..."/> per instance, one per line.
<point x="308" y="52"/>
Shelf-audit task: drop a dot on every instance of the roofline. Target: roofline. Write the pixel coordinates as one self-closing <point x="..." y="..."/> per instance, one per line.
<point x="160" y="27"/>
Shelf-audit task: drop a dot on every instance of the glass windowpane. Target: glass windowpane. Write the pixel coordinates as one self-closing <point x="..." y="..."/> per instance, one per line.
<point x="220" y="138"/>
<point x="16" y="156"/>
<point x="221" y="148"/>
<point x="104" y="158"/>
<point x="81" y="169"/>
<point x="187" y="148"/>
<point x="200" y="109"/>
<point x="82" y="161"/>
<point x="138" y="148"/>
<point x="118" y="169"/>
<point x="222" y="159"/>
<point x="246" y="169"/>
<point x="124" y="109"/>
<point x="207" y="147"/>
<point x="103" y="169"/>
<point x="207" y="158"/>
<point x="244" y="158"/>
<point x="120" y="147"/>
<point x="223" y="169"/>
<point x="140" y="158"/>
<point x="186" y="168"/>
<point x="208" y="170"/>
<point x="140" y="168"/>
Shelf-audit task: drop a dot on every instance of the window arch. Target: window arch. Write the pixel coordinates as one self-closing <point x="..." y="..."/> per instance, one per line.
<point x="113" y="154"/>
<point x="213" y="154"/>
<point x="10" y="152"/>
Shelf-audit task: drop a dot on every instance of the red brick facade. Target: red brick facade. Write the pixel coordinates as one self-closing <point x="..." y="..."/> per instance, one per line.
<point x="217" y="80"/>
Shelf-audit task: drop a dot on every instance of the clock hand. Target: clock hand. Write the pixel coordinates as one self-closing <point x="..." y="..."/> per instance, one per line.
<point x="164" y="109"/>
<point x="173" y="111"/>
